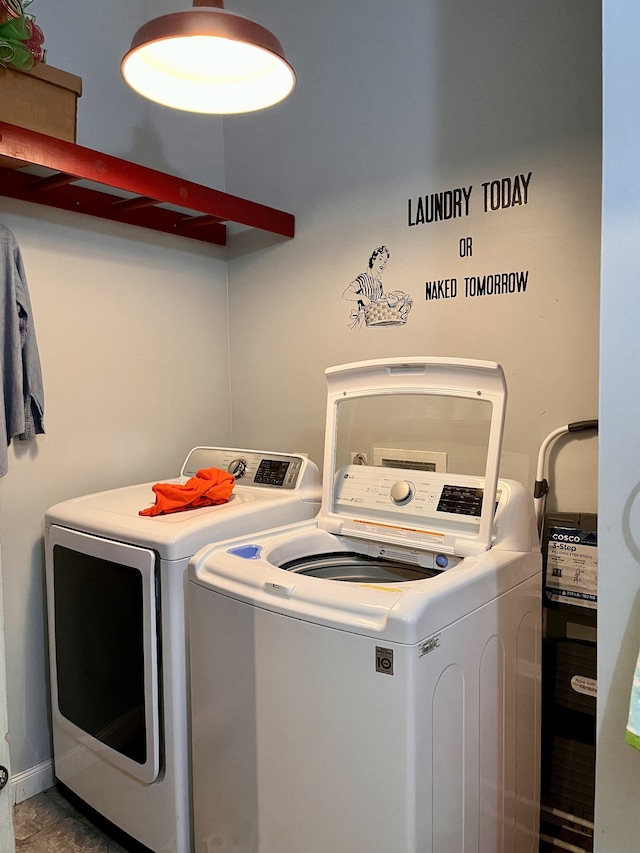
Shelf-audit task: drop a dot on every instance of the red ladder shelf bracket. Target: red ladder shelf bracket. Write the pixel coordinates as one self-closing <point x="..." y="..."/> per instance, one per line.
<point x="201" y="212"/>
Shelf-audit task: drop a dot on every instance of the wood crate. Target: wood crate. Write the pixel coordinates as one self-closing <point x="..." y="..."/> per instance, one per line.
<point x="43" y="99"/>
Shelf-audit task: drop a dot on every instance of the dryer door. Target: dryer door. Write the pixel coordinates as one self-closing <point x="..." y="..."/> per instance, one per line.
<point x="104" y="648"/>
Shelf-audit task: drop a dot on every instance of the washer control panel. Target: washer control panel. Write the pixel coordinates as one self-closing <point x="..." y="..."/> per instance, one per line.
<point x="416" y="494"/>
<point x="250" y="468"/>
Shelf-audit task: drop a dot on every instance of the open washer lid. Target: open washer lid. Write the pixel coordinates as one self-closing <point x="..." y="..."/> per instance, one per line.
<point x="412" y="448"/>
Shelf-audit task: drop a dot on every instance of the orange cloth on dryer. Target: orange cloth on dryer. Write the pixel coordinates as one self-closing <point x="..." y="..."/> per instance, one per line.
<point x="210" y="486"/>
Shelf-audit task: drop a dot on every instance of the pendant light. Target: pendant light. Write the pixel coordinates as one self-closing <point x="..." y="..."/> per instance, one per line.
<point x="208" y="60"/>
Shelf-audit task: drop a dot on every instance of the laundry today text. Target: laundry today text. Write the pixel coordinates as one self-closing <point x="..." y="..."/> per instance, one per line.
<point x="498" y="194"/>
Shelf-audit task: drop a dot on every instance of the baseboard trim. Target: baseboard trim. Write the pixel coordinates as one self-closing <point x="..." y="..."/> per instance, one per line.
<point x="32" y="781"/>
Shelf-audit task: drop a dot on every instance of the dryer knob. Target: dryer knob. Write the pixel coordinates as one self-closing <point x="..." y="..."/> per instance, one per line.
<point x="237" y="467"/>
<point x="401" y="492"/>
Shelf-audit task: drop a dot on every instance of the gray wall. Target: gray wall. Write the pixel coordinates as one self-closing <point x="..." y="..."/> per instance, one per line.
<point x="117" y="310"/>
<point x="395" y="102"/>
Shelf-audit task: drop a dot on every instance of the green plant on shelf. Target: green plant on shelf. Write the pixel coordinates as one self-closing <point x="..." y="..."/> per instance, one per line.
<point x="21" y="39"/>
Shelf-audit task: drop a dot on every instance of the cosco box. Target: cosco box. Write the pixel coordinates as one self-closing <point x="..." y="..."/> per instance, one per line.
<point x="570" y="555"/>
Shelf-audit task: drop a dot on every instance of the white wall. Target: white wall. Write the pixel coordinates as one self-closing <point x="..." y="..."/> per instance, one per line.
<point x="133" y="334"/>
<point x="618" y="765"/>
<point x="396" y="101"/>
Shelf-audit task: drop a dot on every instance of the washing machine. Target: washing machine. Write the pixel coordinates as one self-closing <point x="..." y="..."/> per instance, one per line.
<point x="369" y="680"/>
<point x="116" y="585"/>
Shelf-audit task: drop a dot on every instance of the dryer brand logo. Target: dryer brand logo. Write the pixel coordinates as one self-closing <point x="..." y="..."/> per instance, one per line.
<point x="384" y="660"/>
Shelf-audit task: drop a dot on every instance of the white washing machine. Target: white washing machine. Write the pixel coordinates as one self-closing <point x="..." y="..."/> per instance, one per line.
<point x="370" y="680"/>
<point x="117" y="633"/>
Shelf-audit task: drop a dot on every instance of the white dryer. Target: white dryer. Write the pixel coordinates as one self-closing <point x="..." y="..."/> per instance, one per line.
<point x="116" y="586"/>
<point x="370" y="680"/>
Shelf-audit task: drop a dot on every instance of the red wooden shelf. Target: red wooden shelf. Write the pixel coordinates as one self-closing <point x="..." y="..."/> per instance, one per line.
<point x="192" y="211"/>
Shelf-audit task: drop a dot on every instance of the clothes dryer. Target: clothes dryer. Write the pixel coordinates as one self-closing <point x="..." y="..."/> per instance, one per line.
<point x="117" y="633"/>
<point x="369" y="680"/>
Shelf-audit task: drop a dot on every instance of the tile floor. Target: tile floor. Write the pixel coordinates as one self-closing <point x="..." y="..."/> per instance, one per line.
<point x="51" y="823"/>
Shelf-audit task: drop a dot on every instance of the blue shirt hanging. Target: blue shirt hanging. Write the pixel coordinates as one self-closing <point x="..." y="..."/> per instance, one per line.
<point x="22" y="394"/>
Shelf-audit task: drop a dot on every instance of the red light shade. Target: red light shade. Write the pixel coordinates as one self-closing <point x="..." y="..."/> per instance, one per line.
<point x="208" y="60"/>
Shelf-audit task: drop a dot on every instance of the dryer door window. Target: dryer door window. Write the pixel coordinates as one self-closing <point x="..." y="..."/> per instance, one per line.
<point x="102" y="607"/>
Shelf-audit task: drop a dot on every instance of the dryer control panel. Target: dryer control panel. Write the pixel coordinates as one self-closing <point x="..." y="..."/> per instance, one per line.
<point x="249" y="467"/>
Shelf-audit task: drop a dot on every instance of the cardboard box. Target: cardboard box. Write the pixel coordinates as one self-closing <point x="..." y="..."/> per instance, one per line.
<point x="43" y="99"/>
<point x="570" y="558"/>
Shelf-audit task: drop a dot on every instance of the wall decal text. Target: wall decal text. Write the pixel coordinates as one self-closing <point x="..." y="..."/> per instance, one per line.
<point x="496" y="194"/>
<point x="493" y="284"/>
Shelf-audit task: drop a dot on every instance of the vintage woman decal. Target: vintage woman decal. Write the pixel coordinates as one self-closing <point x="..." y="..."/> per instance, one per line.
<point x="373" y="306"/>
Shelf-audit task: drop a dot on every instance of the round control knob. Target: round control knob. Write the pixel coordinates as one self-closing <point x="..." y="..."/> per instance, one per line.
<point x="237" y="467"/>
<point x="401" y="492"/>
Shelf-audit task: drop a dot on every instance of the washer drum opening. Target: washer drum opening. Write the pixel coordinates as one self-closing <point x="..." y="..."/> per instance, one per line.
<point x="357" y="568"/>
